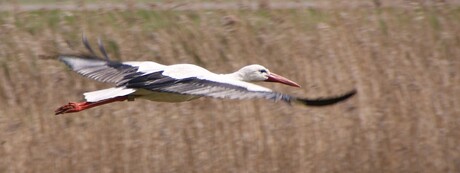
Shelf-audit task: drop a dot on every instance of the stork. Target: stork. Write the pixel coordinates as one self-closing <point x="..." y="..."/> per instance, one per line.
<point x="174" y="83"/>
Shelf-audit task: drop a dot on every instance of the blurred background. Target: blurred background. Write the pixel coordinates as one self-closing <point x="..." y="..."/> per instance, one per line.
<point x="403" y="57"/>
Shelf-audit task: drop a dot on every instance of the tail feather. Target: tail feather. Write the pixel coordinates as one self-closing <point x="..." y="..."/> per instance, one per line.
<point x="104" y="94"/>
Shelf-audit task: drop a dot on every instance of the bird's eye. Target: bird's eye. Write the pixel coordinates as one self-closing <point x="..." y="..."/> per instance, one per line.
<point x="263" y="71"/>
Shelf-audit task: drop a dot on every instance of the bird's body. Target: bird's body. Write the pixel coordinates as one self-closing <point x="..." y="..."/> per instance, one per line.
<point x="173" y="83"/>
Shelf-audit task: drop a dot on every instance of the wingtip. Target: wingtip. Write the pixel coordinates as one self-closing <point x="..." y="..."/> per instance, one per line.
<point x="64" y="59"/>
<point x="90" y="54"/>
<point x="327" y="101"/>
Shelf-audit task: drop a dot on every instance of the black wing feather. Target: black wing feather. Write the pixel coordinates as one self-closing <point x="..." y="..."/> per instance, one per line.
<point x="102" y="49"/>
<point x="201" y="87"/>
<point x="87" y="45"/>
<point x="326" y="101"/>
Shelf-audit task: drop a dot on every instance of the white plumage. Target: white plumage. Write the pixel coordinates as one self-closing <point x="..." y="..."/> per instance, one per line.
<point x="95" y="96"/>
<point x="174" y="83"/>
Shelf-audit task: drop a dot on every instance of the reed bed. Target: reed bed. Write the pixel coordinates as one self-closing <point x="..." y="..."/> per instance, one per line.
<point x="404" y="62"/>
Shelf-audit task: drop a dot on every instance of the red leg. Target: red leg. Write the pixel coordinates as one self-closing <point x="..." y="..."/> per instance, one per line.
<point x="79" y="106"/>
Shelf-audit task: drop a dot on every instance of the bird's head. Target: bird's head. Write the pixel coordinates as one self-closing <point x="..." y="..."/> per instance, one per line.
<point x="255" y="73"/>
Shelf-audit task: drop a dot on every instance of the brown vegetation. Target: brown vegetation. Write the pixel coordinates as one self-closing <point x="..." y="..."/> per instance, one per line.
<point x="404" y="63"/>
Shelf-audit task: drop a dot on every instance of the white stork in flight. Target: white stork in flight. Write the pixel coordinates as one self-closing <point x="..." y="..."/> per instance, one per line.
<point x="174" y="83"/>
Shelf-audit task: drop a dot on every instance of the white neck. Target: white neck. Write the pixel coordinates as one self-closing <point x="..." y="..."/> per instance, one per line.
<point x="235" y="75"/>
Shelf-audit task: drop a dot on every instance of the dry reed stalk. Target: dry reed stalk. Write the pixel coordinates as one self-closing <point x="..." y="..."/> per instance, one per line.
<point x="404" y="63"/>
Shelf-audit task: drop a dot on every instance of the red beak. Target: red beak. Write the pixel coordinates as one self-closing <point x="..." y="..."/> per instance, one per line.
<point x="272" y="77"/>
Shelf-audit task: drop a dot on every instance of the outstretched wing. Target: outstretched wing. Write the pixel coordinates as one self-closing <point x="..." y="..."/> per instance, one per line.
<point x="218" y="87"/>
<point x="105" y="70"/>
<point x="99" y="69"/>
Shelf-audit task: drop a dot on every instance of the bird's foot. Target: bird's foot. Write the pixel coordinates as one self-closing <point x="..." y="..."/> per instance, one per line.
<point x="70" y="107"/>
<point x="79" y="106"/>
